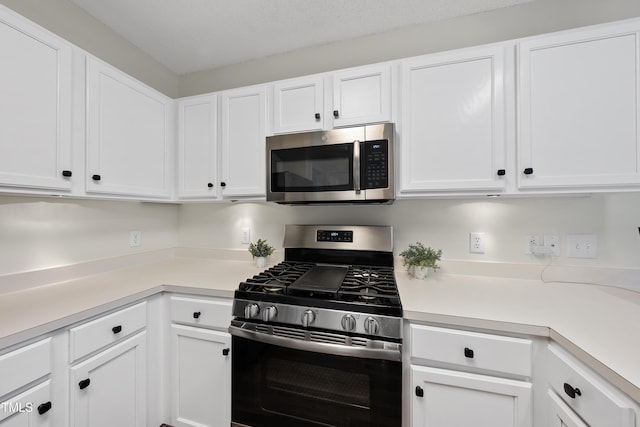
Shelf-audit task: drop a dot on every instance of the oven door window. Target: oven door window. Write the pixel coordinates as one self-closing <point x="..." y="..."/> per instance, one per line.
<point x="312" y="169"/>
<point x="276" y="386"/>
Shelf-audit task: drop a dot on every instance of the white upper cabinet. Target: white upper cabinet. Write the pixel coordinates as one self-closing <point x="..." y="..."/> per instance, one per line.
<point x="298" y="105"/>
<point x="35" y="106"/>
<point x="129" y="139"/>
<point x="244" y="118"/>
<point x="453" y="122"/>
<point x="362" y="95"/>
<point x="578" y="109"/>
<point x="197" y="147"/>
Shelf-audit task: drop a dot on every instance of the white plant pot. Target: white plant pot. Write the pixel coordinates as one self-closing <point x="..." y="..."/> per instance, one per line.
<point x="419" y="272"/>
<point x="261" y="261"/>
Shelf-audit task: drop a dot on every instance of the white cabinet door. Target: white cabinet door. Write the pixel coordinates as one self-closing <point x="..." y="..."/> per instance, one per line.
<point x="298" y="105"/>
<point x="244" y="118"/>
<point x="362" y="95"/>
<point x="33" y="408"/>
<point x="128" y="135"/>
<point x="197" y="147"/>
<point x="560" y="415"/>
<point x="578" y="109"/>
<point x="201" y="377"/>
<point x="35" y="106"/>
<point x="443" y="398"/>
<point x="453" y="120"/>
<point x="110" y="388"/>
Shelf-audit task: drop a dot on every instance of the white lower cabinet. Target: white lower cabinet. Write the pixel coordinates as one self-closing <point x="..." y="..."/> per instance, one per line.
<point x="201" y="377"/>
<point x="110" y="388"/>
<point x="445" y="398"/>
<point x="29" y="409"/>
<point x="559" y="414"/>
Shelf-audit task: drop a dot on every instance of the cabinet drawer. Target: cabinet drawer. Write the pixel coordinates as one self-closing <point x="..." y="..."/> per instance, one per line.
<point x="31" y="408"/>
<point x="106" y="330"/>
<point x="471" y="349"/>
<point x="210" y="313"/>
<point x="595" y="401"/>
<point x="24" y="365"/>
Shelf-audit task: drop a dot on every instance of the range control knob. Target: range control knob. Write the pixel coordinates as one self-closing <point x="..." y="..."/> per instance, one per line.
<point x="269" y="313"/>
<point x="251" y="310"/>
<point x="348" y="322"/>
<point x="371" y="326"/>
<point x="308" y="317"/>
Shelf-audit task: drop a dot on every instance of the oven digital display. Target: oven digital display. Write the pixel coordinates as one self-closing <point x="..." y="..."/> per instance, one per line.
<point x="334" y="236"/>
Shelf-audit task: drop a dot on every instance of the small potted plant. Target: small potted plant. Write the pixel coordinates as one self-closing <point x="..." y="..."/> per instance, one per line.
<point x="260" y="251"/>
<point x="418" y="260"/>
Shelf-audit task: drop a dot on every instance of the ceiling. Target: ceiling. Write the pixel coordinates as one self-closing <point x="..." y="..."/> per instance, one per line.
<point x="194" y="35"/>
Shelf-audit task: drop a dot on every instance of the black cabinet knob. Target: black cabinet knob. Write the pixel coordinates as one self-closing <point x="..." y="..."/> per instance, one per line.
<point x="44" y="408"/>
<point x="528" y="171"/>
<point x="336" y="113"/>
<point x="223" y="184"/>
<point x="225" y="351"/>
<point x="502" y="172"/>
<point x="468" y="353"/>
<point x="419" y="391"/>
<point x="571" y="392"/>
<point x="317" y="116"/>
<point x="66" y="174"/>
<point x="84" y="384"/>
<point x="96" y="177"/>
<point x="196" y="314"/>
<point x="210" y="185"/>
<point x="117" y="329"/>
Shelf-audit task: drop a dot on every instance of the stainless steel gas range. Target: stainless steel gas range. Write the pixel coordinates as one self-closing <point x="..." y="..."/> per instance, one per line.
<point x="317" y="339"/>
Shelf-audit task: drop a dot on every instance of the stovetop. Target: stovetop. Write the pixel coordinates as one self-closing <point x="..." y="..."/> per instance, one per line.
<point x="359" y="288"/>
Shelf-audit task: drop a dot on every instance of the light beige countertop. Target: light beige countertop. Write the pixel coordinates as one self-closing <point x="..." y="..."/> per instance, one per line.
<point x="600" y="325"/>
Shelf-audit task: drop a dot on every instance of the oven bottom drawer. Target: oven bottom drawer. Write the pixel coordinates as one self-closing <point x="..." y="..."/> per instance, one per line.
<point x="275" y="386"/>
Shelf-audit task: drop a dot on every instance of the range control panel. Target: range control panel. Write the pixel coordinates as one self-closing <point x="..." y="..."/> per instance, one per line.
<point x="334" y="236"/>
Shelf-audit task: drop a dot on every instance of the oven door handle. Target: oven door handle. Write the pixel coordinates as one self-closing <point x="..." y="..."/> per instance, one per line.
<point x="393" y="354"/>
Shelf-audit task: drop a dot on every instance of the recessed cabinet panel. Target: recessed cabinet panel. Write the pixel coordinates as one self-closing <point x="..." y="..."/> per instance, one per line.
<point x="197" y="147"/>
<point x="35" y="106"/>
<point x="128" y="131"/>
<point x="453" y="122"/>
<point x="579" y="109"/>
<point x="362" y="95"/>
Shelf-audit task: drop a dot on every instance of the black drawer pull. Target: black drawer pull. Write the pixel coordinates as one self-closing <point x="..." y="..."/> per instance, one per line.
<point x="96" y="177"/>
<point x="66" y="174"/>
<point x="502" y="172"/>
<point x="419" y="391"/>
<point x="336" y="113"/>
<point x="528" y="171"/>
<point x="572" y="392"/>
<point x="196" y="314"/>
<point x="117" y="329"/>
<point x="210" y="185"/>
<point x="225" y="351"/>
<point x="84" y="384"/>
<point x="44" y="408"/>
<point x="223" y="184"/>
<point x="317" y="116"/>
<point x="468" y="353"/>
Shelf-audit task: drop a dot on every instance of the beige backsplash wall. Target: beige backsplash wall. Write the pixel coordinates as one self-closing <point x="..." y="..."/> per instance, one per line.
<point x="444" y="224"/>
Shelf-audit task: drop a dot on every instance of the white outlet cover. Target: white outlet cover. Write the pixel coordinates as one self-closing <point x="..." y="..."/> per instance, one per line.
<point x="135" y="238"/>
<point x="582" y="246"/>
<point x="476" y="243"/>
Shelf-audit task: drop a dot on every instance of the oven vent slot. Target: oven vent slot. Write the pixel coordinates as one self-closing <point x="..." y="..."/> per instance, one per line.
<point x="313" y="336"/>
<point x="359" y="342"/>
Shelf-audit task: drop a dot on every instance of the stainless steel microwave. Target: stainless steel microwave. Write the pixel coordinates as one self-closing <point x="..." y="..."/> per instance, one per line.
<point x="348" y="165"/>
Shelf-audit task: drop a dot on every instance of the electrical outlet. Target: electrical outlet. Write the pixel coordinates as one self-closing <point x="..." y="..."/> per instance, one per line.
<point x="246" y="236"/>
<point x="476" y="243"/>
<point x="552" y="244"/>
<point x="531" y="242"/>
<point x="582" y="246"/>
<point x="135" y="238"/>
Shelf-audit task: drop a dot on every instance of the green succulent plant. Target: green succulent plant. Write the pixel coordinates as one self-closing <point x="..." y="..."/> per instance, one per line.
<point x="418" y="255"/>
<point x="260" y="249"/>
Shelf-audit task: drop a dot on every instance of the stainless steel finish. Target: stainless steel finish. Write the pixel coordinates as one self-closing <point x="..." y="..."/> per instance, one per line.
<point x="269" y="313"/>
<point x="336" y="136"/>
<point x="251" y="310"/>
<point x="348" y="322"/>
<point x="328" y="319"/>
<point x="365" y="238"/>
<point x="356" y="166"/>
<point x="308" y="317"/>
<point x="321" y="342"/>
<point x="371" y="326"/>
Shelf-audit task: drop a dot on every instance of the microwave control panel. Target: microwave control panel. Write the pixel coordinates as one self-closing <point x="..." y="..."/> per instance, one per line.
<point x="374" y="164"/>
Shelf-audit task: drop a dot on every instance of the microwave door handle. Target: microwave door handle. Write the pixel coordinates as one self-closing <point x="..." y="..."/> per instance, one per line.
<point x="356" y="166"/>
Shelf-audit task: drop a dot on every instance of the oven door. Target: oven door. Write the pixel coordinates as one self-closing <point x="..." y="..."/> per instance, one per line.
<point x="278" y="386"/>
